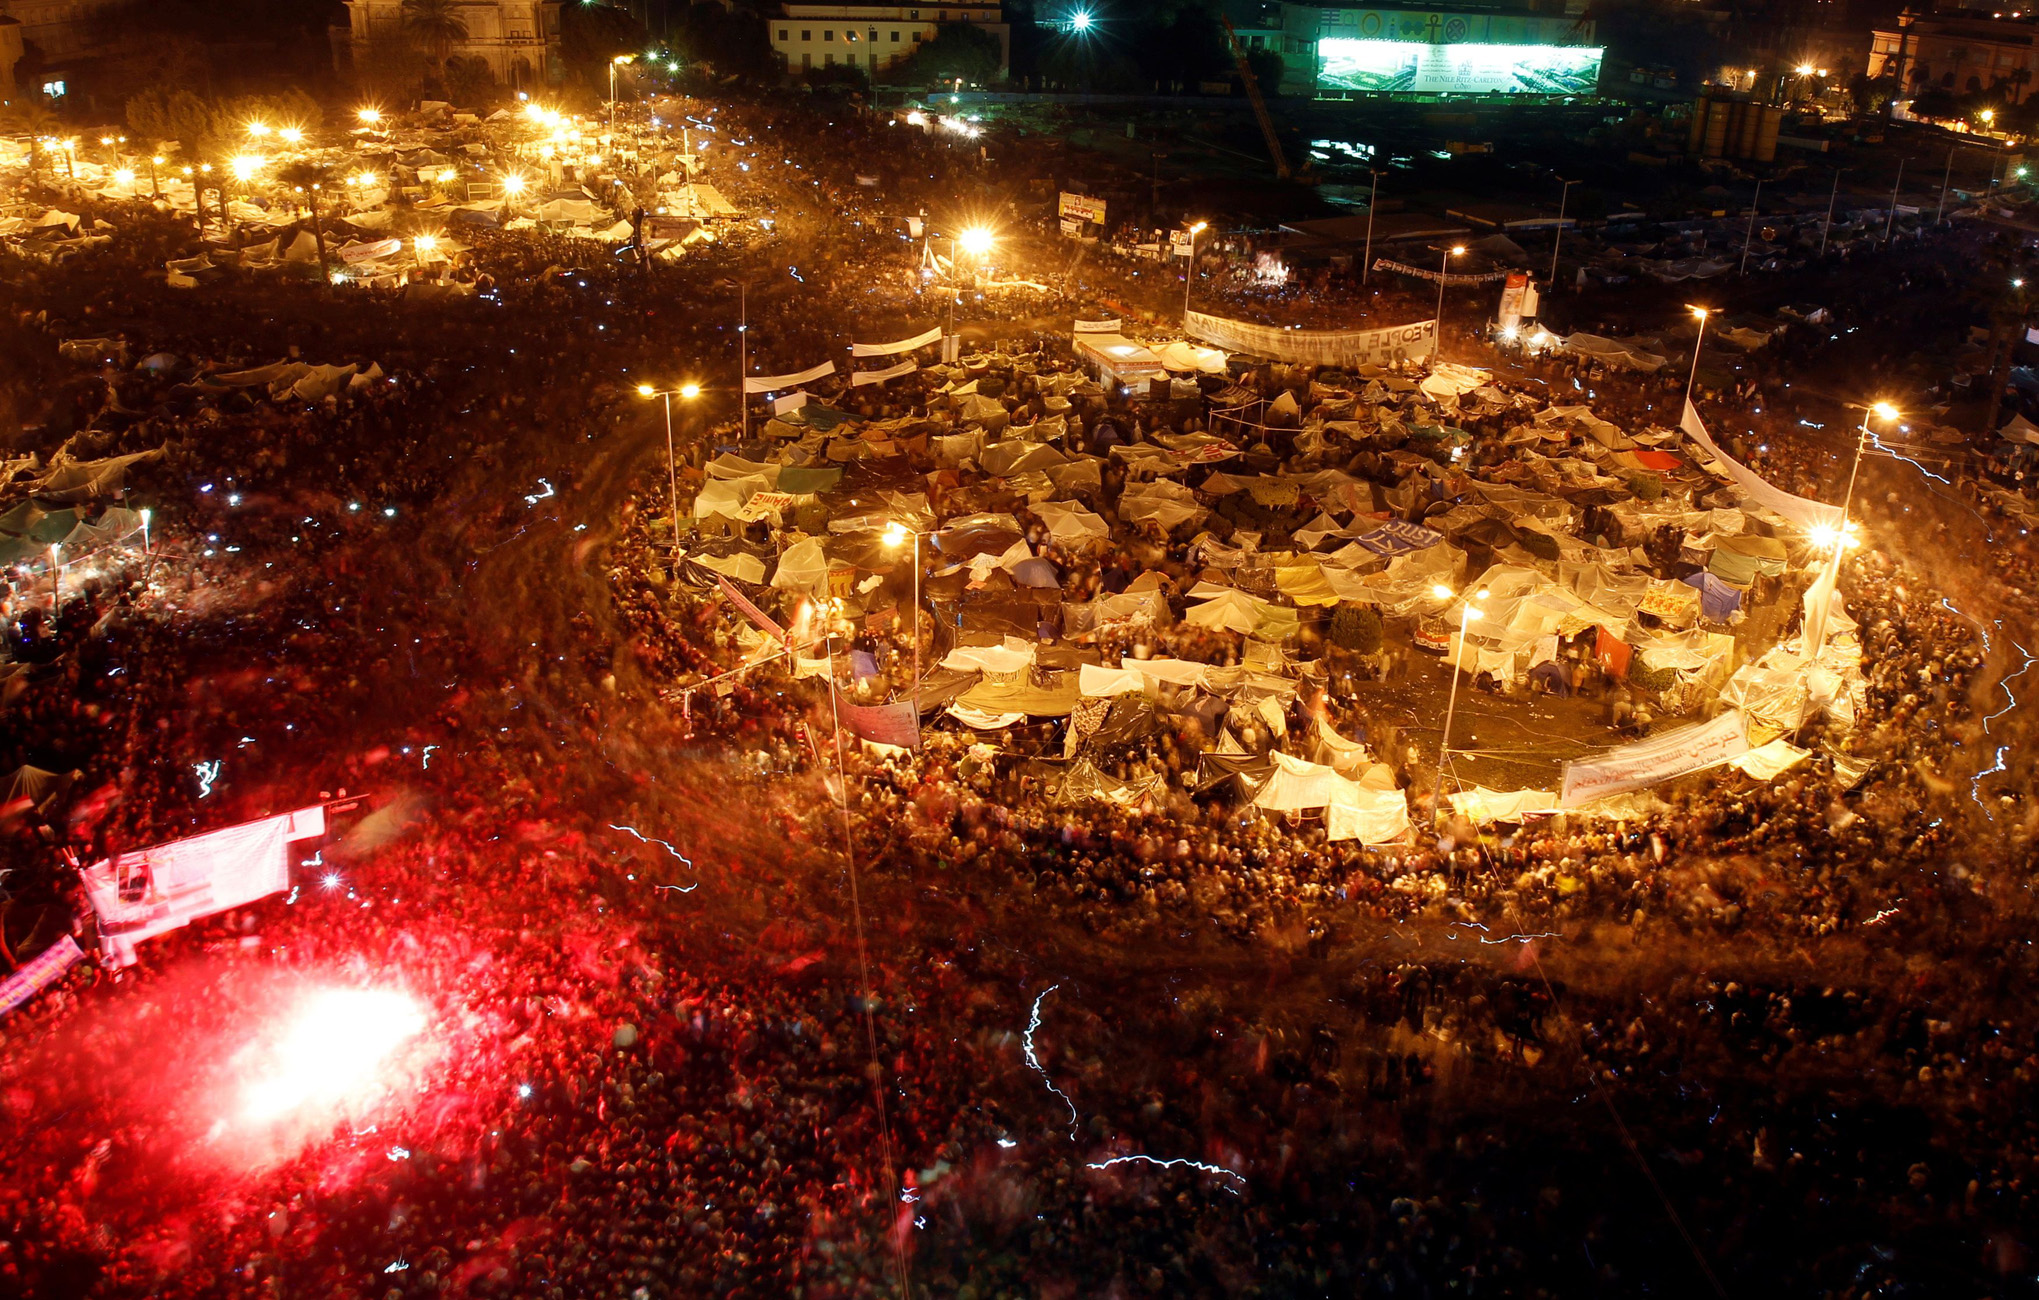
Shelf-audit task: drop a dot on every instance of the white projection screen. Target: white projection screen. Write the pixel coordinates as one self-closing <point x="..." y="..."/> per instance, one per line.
<point x="1385" y="67"/>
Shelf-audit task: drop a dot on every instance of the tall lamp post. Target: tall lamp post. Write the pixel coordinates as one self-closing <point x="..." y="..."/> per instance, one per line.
<point x="895" y="534"/>
<point x="1189" y="269"/>
<point x="1373" y="195"/>
<point x="1443" y="266"/>
<point x="1466" y="616"/>
<point x="1890" y="224"/>
<point x="1749" y="235"/>
<point x="686" y="393"/>
<point x="1882" y="411"/>
<point x="614" y="64"/>
<point x="1832" y="196"/>
<point x="1697" y="343"/>
<point x="1558" y="239"/>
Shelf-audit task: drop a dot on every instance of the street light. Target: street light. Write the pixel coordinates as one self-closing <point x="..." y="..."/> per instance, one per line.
<point x="425" y="243"/>
<point x="687" y="393"/>
<point x="1466" y="616"/>
<point x="256" y="130"/>
<point x="1559" y="238"/>
<point x="1443" y="264"/>
<point x="614" y="64"/>
<point x="1702" y="313"/>
<point x="369" y="116"/>
<point x="1189" y="270"/>
<point x="1080" y="21"/>
<point x="291" y="135"/>
<point x="125" y="176"/>
<point x="1883" y="411"/>
<point x="976" y="241"/>
<point x="895" y="534"/>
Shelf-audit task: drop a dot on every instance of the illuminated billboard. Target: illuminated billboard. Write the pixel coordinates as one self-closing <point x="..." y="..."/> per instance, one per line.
<point x="1387" y="67"/>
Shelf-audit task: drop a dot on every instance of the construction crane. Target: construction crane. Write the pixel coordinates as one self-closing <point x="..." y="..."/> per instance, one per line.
<point x="1281" y="162"/>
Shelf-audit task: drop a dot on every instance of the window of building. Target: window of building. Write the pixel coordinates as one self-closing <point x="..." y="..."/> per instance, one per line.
<point x="874" y="36"/>
<point x="913" y="15"/>
<point x="828" y="60"/>
<point x="895" y="36"/>
<point x="849" y="36"/>
<point x="784" y="34"/>
<point x="828" y="33"/>
<point x="806" y="62"/>
<point x="806" y="33"/>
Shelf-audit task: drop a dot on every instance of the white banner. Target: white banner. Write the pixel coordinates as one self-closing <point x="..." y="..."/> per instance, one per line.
<point x="862" y="377"/>
<point x="894" y="349"/>
<point x="143" y="894"/>
<point x="790" y="402"/>
<point x="1799" y="510"/>
<point x="1319" y="347"/>
<point x="1452" y="277"/>
<point x="1099" y="326"/>
<point x="773" y="383"/>
<point x="1675" y="753"/>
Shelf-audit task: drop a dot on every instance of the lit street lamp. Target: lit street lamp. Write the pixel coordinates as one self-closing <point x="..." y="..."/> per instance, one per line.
<point x="1189" y="269"/>
<point x="614" y="64"/>
<point x="687" y="393"/>
<point x="1443" y="266"/>
<point x="896" y="533"/>
<point x="1466" y="616"/>
<point x="1702" y="313"/>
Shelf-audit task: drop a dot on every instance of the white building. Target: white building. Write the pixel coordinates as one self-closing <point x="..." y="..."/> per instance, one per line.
<point x="874" y="37"/>
<point x="518" y="39"/>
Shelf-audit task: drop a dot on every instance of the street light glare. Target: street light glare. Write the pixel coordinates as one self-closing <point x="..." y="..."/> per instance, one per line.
<point x="690" y="391"/>
<point x="258" y="128"/>
<point x="1701" y="312"/>
<point x="1080" y="20"/>
<point x="895" y="533"/>
<point x="976" y="241"/>
<point x="1440" y="591"/>
<point x="1458" y="250"/>
<point x="291" y="134"/>
<point x="124" y="176"/>
<point x="646" y="390"/>
<point x="245" y="166"/>
<point x="513" y="184"/>
<point x="1884" y="411"/>
<point x="1200" y="227"/>
<point x="426" y="243"/>
<point x="369" y="116"/>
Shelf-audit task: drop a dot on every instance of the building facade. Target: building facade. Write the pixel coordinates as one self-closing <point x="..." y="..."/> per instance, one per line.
<point x="874" y="38"/>
<point x="517" y="39"/>
<point x="1957" y="52"/>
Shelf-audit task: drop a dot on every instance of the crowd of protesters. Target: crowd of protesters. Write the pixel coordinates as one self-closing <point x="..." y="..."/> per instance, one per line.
<point x="657" y="1070"/>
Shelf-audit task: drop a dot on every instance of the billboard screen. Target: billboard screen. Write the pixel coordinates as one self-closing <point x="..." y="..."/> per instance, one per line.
<point x="1346" y="64"/>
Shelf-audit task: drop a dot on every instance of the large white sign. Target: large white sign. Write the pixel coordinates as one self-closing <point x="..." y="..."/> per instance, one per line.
<point x="1468" y="68"/>
<point x="1675" y="753"/>
<point x="143" y="894"/>
<point x="1318" y="347"/>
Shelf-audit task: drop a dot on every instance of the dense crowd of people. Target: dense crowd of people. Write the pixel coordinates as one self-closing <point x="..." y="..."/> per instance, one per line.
<point x="1165" y="1044"/>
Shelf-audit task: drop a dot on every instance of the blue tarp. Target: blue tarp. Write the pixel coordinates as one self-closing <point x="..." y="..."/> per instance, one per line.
<point x="1717" y="600"/>
<point x="1396" y="537"/>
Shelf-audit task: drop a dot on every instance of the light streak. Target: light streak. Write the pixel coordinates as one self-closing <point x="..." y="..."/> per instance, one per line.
<point x="1882" y="916"/>
<point x="2030" y="659"/>
<point x="1878" y="440"/>
<point x="399" y="1266"/>
<point x="207" y="774"/>
<point x="678" y="889"/>
<point x="399" y="1153"/>
<point x="428" y="754"/>
<point x="1219" y="1170"/>
<point x="1975" y="782"/>
<point x="1523" y="938"/>
<point x="646" y="839"/>
<point x="1034" y="1061"/>
<point x="331" y="880"/>
<point x="534" y="500"/>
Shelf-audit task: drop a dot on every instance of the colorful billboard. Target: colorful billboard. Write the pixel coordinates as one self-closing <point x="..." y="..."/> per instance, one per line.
<point x="1388" y="67"/>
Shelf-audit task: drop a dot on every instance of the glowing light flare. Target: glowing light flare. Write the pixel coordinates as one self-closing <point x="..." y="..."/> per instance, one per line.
<point x="333" y="1047"/>
<point x="207" y="774"/>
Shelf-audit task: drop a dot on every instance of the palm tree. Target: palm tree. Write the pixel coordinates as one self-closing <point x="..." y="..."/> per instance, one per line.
<point x="310" y="178"/>
<point x="435" y="24"/>
<point x="32" y="116"/>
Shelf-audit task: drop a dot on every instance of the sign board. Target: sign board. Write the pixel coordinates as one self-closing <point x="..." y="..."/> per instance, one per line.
<point x="1082" y="207"/>
<point x="1405" y="66"/>
<point x="1511" y="299"/>
<point x="1343" y="348"/>
<point x="1645" y="763"/>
